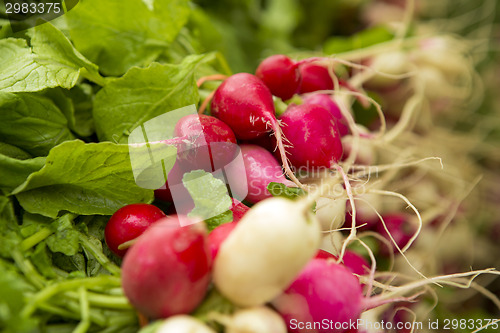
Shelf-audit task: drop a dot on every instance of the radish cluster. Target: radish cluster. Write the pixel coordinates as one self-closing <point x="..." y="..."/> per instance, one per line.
<point x="269" y="262"/>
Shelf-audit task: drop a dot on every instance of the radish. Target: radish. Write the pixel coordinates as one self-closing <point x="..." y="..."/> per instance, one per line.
<point x="209" y="143"/>
<point x="256" y="320"/>
<point x="351" y="260"/>
<point x="313" y="136"/>
<point x="266" y="250"/>
<point x="314" y="77"/>
<point x="167" y="271"/>
<point x="326" y="102"/>
<point x="323" y="291"/>
<point x="244" y="103"/>
<point x="183" y="324"/>
<point x="239" y="209"/>
<point x="128" y="223"/>
<point x="261" y="168"/>
<point x="280" y="74"/>
<point x="218" y="236"/>
<point x="203" y="142"/>
<point x="400" y="229"/>
<point x="330" y="212"/>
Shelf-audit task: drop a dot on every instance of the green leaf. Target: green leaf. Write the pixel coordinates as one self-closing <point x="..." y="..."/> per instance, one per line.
<point x="9" y="229"/>
<point x="119" y="34"/>
<point x="32" y="123"/>
<point x="76" y="105"/>
<point x="81" y="178"/>
<point x="13" y="288"/>
<point x="281" y="190"/>
<point x="209" y="194"/>
<point x="14" y="172"/>
<point x="142" y="94"/>
<point x="51" y="61"/>
<point x="13" y="151"/>
<point x="216" y="221"/>
<point x="66" y="238"/>
<point x="365" y="38"/>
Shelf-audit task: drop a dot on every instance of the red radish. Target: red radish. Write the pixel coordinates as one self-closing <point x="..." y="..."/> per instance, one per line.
<point x="266" y="250"/>
<point x="239" y="209"/>
<point x="322" y="254"/>
<point x="183" y="324"/>
<point x="313" y="134"/>
<point x="218" y="236"/>
<point x="167" y="271"/>
<point x="128" y="223"/>
<point x="326" y="102"/>
<point x="175" y="175"/>
<point x="244" y="103"/>
<point x="314" y="77"/>
<point x="209" y="143"/>
<point x="216" y="150"/>
<point x="220" y="233"/>
<point x="351" y="260"/>
<point x="400" y="228"/>
<point x="261" y="168"/>
<point x="323" y="291"/>
<point x="280" y="74"/>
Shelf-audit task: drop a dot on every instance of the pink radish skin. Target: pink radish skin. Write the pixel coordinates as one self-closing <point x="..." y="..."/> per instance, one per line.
<point x="128" y="223"/>
<point x="323" y="290"/>
<point x="313" y="134"/>
<point x="261" y="168"/>
<point x="326" y="102"/>
<point x="246" y="105"/>
<point x="167" y="271"/>
<point x="314" y="77"/>
<point x="351" y="260"/>
<point x="281" y="75"/>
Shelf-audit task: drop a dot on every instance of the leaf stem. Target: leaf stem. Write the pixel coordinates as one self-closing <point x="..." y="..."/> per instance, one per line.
<point x="99" y="256"/>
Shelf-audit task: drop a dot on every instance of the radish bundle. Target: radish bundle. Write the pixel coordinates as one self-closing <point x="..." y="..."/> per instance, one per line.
<point x="250" y="166"/>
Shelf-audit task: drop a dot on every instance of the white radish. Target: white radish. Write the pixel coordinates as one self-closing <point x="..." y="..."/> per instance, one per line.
<point x="266" y="251"/>
<point x="183" y="324"/>
<point x="330" y="212"/>
<point x="256" y="320"/>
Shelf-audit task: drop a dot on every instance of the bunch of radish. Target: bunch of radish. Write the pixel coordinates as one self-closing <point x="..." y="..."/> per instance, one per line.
<point x="270" y="262"/>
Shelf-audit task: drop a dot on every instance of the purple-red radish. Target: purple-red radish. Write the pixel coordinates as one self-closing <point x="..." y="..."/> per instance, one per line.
<point x="128" y="223"/>
<point x="183" y="324"/>
<point x="246" y="105"/>
<point x="167" y="271"/>
<point x="400" y="229"/>
<point x="323" y="291"/>
<point x="261" y="168"/>
<point x="259" y="319"/>
<point x="326" y="102"/>
<point x="313" y="135"/>
<point x="280" y="74"/>
<point x="266" y="250"/>
<point x="351" y="260"/>
<point x="175" y="175"/>
<point x="314" y="77"/>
